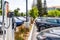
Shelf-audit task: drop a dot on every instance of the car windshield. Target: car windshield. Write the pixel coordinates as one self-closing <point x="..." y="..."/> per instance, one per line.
<point x="52" y="20"/>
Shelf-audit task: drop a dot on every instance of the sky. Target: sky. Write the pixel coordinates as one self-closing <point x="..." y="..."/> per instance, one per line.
<point x="13" y="4"/>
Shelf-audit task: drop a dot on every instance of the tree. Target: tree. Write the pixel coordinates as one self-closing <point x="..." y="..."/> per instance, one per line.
<point x="0" y="11"/>
<point x="54" y="13"/>
<point x="58" y="9"/>
<point x="34" y="12"/>
<point x="39" y="6"/>
<point x="22" y="14"/>
<point x="16" y="11"/>
<point x="45" y="8"/>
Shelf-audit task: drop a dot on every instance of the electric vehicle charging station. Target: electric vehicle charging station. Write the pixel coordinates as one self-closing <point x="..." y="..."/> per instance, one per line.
<point x="8" y="22"/>
<point x="10" y="27"/>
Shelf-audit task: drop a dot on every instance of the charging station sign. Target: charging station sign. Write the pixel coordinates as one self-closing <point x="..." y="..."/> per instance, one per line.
<point x="0" y="4"/>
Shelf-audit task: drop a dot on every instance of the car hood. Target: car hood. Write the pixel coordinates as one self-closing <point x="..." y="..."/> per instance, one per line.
<point x="53" y="32"/>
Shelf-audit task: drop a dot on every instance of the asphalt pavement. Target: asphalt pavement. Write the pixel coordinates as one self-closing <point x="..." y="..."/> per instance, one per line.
<point x="1" y="37"/>
<point x="35" y="33"/>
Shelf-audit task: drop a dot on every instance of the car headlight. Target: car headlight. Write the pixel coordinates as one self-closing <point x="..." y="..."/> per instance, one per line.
<point x="41" y="36"/>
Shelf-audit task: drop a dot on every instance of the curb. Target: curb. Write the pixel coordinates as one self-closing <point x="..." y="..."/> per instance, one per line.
<point x="30" y="35"/>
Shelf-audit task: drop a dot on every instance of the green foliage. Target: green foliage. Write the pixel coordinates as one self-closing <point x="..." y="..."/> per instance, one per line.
<point x="44" y="15"/>
<point x="0" y="11"/>
<point x="39" y="6"/>
<point x="54" y="13"/>
<point x="34" y="12"/>
<point x="58" y="9"/>
<point x="19" y="38"/>
<point x="16" y="11"/>
<point x="22" y="14"/>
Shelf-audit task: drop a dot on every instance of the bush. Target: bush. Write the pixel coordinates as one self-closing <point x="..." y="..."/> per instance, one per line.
<point x="19" y="38"/>
<point x="54" y="13"/>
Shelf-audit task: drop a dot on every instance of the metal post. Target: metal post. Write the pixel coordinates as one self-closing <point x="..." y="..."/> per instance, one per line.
<point x="26" y="10"/>
<point x="3" y="19"/>
<point x="27" y="20"/>
<point x="8" y="23"/>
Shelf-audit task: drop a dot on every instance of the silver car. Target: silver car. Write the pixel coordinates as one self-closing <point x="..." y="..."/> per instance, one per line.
<point x="49" y="34"/>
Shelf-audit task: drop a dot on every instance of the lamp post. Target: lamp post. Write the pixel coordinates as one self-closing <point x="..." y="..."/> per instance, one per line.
<point x="26" y="10"/>
<point x="27" y="19"/>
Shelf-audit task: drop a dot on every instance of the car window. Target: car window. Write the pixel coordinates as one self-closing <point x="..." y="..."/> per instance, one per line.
<point x="52" y="20"/>
<point x="58" y="20"/>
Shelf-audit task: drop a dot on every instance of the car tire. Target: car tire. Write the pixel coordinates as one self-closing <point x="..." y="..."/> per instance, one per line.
<point x="42" y="28"/>
<point x="47" y="26"/>
<point x="38" y="29"/>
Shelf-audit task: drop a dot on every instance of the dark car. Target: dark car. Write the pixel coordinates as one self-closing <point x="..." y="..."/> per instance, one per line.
<point x="43" y="23"/>
<point x="1" y="31"/>
<point x="49" y="34"/>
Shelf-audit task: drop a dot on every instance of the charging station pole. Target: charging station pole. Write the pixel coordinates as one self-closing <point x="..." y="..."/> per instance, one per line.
<point x="9" y="23"/>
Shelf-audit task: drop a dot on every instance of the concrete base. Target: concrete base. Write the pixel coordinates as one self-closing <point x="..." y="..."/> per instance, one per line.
<point x="26" y="24"/>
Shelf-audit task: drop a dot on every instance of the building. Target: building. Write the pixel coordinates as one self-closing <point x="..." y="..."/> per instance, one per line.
<point x="53" y="8"/>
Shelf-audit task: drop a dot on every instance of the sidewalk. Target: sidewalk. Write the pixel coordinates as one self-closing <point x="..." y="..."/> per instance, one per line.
<point x="1" y="37"/>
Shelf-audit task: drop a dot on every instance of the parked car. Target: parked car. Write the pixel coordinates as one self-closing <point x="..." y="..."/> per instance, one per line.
<point x="18" y="21"/>
<point x="43" y="23"/>
<point x="22" y="18"/>
<point x="49" y="34"/>
<point x="1" y="31"/>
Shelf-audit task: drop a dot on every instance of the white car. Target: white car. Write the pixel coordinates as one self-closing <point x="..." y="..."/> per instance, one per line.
<point x="49" y="34"/>
<point x="22" y="18"/>
<point x="18" y="21"/>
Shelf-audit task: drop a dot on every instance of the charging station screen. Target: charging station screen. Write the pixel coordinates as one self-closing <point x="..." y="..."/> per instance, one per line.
<point x="0" y="3"/>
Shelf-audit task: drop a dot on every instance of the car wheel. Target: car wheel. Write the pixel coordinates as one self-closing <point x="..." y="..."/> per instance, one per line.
<point x="46" y="26"/>
<point x="38" y="29"/>
<point x="42" y="28"/>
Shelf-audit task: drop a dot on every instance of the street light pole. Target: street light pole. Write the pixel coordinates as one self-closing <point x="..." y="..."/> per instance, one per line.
<point x="27" y="19"/>
<point x="26" y="10"/>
